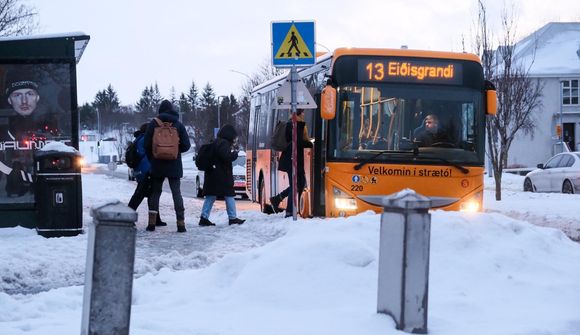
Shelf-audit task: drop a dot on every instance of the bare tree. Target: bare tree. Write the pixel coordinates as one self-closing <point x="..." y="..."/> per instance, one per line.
<point x="16" y="19"/>
<point x="518" y="94"/>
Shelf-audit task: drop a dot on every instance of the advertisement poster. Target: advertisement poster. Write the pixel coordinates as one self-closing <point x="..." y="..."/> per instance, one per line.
<point x="34" y="110"/>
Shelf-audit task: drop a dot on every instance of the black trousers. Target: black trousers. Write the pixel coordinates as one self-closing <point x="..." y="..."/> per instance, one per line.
<point x="300" y="183"/>
<point x="142" y="191"/>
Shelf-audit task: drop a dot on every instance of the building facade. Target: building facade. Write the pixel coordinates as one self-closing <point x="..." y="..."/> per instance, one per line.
<point x="552" y="54"/>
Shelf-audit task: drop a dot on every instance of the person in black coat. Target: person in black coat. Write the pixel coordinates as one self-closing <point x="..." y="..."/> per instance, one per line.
<point x="170" y="169"/>
<point x="430" y="132"/>
<point x="219" y="181"/>
<point x="285" y="163"/>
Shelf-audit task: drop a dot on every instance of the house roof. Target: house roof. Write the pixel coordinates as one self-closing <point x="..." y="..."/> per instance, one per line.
<point x="552" y="51"/>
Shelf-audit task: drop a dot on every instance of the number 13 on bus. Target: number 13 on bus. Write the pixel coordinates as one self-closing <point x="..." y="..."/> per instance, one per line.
<point x="387" y="120"/>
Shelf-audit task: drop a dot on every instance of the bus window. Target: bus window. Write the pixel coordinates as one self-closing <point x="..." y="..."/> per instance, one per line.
<point x="379" y="117"/>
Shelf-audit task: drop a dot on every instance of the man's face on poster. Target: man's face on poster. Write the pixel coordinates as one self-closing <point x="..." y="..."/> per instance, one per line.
<point x="24" y="100"/>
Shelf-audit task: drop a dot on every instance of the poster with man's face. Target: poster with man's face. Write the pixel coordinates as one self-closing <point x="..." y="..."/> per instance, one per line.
<point x="35" y="109"/>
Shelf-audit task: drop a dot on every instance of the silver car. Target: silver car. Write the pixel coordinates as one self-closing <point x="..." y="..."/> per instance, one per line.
<point x="561" y="173"/>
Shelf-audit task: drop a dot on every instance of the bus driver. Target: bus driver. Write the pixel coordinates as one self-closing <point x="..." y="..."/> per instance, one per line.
<point x="429" y="133"/>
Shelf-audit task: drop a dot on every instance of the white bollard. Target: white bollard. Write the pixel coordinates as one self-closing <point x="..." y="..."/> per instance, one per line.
<point x="404" y="260"/>
<point x="109" y="270"/>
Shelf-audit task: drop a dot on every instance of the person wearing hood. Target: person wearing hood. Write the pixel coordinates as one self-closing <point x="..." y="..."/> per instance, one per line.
<point x="142" y="175"/>
<point x="219" y="181"/>
<point x="170" y="169"/>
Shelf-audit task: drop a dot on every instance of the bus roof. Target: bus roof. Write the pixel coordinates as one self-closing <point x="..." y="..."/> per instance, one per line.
<point x="375" y="52"/>
<point x="404" y="53"/>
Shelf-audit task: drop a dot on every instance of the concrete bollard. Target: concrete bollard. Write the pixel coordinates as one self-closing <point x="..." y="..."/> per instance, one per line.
<point x="404" y="260"/>
<point x="109" y="270"/>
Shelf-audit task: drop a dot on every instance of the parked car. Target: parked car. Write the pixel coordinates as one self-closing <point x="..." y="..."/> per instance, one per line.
<point x="561" y="173"/>
<point x="239" y="172"/>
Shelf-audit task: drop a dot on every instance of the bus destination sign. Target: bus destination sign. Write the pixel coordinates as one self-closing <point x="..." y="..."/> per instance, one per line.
<point x="409" y="70"/>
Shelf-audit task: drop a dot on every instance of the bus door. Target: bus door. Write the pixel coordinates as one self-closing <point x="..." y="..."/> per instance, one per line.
<point x="280" y="115"/>
<point x="251" y="184"/>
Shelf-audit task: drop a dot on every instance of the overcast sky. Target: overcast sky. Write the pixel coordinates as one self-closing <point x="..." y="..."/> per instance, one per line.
<point x="135" y="43"/>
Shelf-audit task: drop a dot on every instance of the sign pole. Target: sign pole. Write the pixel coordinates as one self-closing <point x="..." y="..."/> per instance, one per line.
<point x="294" y="195"/>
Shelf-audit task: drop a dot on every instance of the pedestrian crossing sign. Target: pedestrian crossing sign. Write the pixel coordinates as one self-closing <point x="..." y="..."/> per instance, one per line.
<point x="293" y="43"/>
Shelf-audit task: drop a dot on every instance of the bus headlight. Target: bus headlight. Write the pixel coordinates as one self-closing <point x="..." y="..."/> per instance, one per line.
<point x="472" y="204"/>
<point x="343" y="201"/>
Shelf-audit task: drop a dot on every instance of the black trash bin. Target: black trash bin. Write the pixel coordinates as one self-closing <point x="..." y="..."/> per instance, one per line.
<point x="58" y="193"/>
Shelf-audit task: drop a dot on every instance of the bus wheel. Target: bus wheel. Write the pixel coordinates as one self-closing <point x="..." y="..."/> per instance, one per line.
<point x="305" y="210"/>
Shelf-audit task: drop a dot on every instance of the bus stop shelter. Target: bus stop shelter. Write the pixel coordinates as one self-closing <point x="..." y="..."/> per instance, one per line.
<point x="38" y="106"/>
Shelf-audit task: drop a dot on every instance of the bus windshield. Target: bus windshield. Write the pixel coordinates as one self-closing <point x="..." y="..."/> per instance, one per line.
<point x="442" y="122"/>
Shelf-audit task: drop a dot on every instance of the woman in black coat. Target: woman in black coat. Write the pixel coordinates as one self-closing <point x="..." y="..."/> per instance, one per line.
<point x="219" y="181"/>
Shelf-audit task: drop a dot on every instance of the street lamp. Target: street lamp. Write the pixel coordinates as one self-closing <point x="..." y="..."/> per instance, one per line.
<point x="218" y="111"/>
<point x="243" y="74"/>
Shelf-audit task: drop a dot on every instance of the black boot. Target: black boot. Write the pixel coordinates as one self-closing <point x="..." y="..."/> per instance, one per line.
<point x="205" y="222"/>
<point x="159" y="223"/>
<point x="275" y="201"/>
<point x="236" y="221"/>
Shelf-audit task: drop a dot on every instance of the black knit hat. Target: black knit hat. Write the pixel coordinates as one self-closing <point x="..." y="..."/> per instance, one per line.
<point x="166" y="107"/>
<point x="20" y="84"/>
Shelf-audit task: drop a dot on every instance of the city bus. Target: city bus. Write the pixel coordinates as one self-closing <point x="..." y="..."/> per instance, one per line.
<point x="371" y="103"/>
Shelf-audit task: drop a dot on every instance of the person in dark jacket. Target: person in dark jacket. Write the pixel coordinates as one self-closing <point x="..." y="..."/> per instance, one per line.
<point x="170" y="169"/>
<point x="219" y="181"/>
<point x="429" y="132"/>
<point x="142" y="175"/>
<point x="286" y="163"/>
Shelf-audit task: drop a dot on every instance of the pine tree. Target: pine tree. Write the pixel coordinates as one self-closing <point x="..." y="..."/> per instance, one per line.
<point x="106" y="103"/>
<point x="192" y="97"/>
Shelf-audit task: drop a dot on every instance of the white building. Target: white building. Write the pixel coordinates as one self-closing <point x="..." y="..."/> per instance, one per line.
<point x="554" y="54"/>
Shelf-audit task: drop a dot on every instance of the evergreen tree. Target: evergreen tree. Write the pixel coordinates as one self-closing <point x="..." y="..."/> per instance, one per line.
<point x="173" y="95"/>
<point x="106" y="103"/>
<point x="185" y="109"/>
<point x="192" y="97"/>
<point x="206" y="120"/>
<point x="156" y="97"/>
<point x="88" y="116"/>
<point x="146" y="106"/>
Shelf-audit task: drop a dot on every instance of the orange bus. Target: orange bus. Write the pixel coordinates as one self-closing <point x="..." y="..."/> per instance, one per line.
<point x="372" y="104"/>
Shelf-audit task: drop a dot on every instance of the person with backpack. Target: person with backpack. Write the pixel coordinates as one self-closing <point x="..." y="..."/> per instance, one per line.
<point x="142" y="173"/>
<point x="219" y="180"/>
<point x="285" y="163"/>
<point x="165" y="140"/>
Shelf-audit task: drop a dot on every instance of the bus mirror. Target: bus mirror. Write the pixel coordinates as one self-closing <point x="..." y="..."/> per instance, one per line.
<point x="491" y="102"/>
<point x="328" y="103"/>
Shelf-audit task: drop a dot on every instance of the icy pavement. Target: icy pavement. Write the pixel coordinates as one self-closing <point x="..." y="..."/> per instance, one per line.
<point x="27" y="264"/>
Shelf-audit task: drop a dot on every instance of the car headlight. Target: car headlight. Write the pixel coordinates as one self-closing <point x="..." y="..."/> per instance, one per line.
<point x="343" y="201"/>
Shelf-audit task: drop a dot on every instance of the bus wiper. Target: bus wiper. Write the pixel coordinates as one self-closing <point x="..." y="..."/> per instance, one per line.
<point x="455" y="165"/>
<point x="365" y="161"/>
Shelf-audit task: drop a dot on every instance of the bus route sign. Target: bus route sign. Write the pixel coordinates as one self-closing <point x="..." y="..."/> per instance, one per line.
<point x="293" y="43"/>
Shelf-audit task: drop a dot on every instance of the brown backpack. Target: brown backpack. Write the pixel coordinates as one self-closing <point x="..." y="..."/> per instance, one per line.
<point x="165" y="141"/>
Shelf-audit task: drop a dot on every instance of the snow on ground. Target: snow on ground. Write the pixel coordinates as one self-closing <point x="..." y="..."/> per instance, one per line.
<point x="489" y="273"/>
<point x="555" y="210"/>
